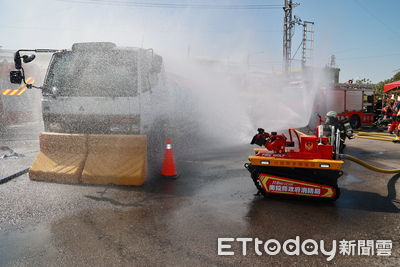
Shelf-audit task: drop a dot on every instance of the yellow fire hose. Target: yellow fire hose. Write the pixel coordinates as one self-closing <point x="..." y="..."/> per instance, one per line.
<point x="390" y="139"/>
<point x="368" y="166"/>
<point x="374" y="133"/>
<point x="378" y="136"/>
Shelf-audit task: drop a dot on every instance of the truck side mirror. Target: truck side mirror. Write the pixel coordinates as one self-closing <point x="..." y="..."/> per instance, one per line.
<point x="28" y="58"/>
<point x="16" y="76"/>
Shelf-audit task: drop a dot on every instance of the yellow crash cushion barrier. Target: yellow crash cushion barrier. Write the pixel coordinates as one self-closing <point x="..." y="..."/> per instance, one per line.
<point x="61" y="158"/>
<point x="91" y="159"/>
<point x="116" y="159"/>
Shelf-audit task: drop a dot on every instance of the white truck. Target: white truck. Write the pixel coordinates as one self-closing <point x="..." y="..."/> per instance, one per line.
<point x="98" y="87"/>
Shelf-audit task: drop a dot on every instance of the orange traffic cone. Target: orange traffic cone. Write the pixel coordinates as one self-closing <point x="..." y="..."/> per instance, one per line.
<point x="168" y="168"/>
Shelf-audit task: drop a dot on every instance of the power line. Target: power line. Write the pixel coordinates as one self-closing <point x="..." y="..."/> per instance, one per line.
<point x="4" y="26"/>
<point x="371" y="44"/>
<point x="359" y="47"/>
<point x="366" y="57"/>
<point x="172" y="5"/>
<point x="295" y="53"/>
<point x="157" y="31"/>
<point x="376" y="18"/>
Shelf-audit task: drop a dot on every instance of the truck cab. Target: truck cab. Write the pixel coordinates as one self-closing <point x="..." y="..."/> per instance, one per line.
<point x="101" y="88"/>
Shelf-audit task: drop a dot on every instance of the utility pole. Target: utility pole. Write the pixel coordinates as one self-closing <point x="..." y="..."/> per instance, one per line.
<point x="287" y="33"/>
<point x="308" y="42"/>
<point x="332" y="62"/>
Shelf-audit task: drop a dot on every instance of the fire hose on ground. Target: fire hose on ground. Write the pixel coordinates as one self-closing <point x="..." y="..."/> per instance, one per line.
<point x="12" y="176"/>
<point x="378" y="136"/>
<point x="366" y="165"/>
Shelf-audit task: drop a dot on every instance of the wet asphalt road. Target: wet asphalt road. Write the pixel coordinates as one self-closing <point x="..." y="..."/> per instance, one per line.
<point x="177" y="222"/>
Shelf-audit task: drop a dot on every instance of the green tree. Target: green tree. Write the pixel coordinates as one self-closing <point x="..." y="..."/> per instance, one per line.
<point x="363" y="81"/>
<point x="379" y="85"/>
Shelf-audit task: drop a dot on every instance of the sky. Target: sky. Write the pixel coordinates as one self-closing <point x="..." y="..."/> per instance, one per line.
<point x="362" y="34"/>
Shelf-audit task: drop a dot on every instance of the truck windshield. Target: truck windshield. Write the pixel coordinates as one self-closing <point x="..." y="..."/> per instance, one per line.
<point x="106" y="74"/>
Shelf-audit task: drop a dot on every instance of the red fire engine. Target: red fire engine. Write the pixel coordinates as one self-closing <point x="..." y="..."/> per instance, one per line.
<point x="352" y="101"/>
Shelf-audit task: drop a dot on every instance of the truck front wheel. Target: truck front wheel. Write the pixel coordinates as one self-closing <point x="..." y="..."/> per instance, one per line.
<point x="157" y="136"/>
<point x="355" y="121"/>
<point x="46" y="126"/>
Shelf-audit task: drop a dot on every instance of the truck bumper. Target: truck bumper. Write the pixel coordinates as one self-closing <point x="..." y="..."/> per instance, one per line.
<point x="94" y="124"/>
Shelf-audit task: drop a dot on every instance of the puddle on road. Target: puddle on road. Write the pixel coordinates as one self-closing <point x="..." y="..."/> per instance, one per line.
<point x="9" y="153"/>
<point x="348" y="179"/>
<point x="17" y="246"/>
